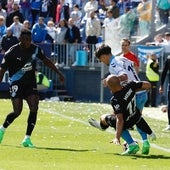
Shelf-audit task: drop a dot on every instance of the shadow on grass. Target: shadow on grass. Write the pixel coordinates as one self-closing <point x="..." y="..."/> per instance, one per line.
<point x="50" y="148"/>
<point x="66" y="149"/>
<point x="145" y="156"/>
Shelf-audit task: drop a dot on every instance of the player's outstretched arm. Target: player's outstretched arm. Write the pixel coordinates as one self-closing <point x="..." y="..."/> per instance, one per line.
<point x="145" y="85"/>
<point x="51" y="65"/>
<point x="2" y="71"/>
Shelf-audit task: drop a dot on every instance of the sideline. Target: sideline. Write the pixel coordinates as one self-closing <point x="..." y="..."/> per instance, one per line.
<point x="86" y="123"/>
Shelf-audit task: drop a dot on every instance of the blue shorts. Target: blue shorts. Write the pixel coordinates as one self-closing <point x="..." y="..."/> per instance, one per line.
<point x="141" y="99"/>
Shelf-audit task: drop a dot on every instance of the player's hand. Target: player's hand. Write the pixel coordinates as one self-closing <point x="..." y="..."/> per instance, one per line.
<point x="161" y="90"/>
<point x="116" y="141"/>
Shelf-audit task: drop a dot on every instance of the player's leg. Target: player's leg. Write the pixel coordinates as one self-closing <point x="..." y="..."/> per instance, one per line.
<point x="17" y="108"/>
<point x="168" y="110"/>
<point x="107" y="120"/>
<point x="133" y="147"/>
<point x="32" y="101"/>
<point x="141" y="99"/>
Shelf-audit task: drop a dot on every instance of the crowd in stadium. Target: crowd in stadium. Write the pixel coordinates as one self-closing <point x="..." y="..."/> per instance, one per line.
<point x="48" y="18"/>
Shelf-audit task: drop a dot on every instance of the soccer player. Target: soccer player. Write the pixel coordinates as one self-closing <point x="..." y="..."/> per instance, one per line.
<point x="124" y="105"/>
<point x="165" y="72"/>
<point x="123" y="68"/>
<point x="20" y="61"/>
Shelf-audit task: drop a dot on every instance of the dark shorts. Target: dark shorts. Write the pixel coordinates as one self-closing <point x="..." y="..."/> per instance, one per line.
<point x="111" y="121"/>
<point x="22" y="91"/>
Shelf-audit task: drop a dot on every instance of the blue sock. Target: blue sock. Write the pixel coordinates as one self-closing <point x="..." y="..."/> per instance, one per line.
<point x="127" y="137"/>
<point x="143" y="134"/>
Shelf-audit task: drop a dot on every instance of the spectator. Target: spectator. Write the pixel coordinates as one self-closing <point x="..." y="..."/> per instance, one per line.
<point x="3" y="12"/>
<point x="15" y="12"/>
<point x="51" y="32"/>
<point x="60" y="46"/>
<point x="152" y="74"/>
<point x="61" y="32"/>
<point x="16" y="26"/>
<point x="126" y="23"/>
<point x="73" y="38"/>
<point x="8" y="6"/>
<point x="76" y="14"/>
<point x="2" y="27"/>
<point x="122" y="4"/>
<point x="144" y="10"/>
<point x="62" y="11"/>
<point x="158" y="39"/>
<point x="44" y="10"/>
<point x="39" y="31"/>
<point x="93" y="29"/>
<point x="109" y="20"/>
<point x="52" y="7"/>
<point x="27" y="24"/>
<point x="25" y="8"/>
<point x="72" y="33"/>
<point x="8" y="40"/>
<point x="35" y="10"/>
<point x="113" y="7"/>
<point x="135" y="3"/>
<point x="90" y="6"/>
<point x="163" y="7"/>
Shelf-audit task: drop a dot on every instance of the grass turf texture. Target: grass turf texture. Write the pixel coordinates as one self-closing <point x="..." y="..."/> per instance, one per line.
<point x="65" y="141"/>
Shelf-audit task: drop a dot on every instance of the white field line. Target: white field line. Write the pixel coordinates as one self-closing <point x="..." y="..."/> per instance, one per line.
<point x="86" y="123"/>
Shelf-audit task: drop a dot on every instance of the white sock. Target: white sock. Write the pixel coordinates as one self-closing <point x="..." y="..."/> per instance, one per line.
<point x="2" y="128"/>
<point x="27" y="136"/>
<point x="134" y="143"/>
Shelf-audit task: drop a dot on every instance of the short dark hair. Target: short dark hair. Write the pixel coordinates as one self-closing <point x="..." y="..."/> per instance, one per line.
<point x="103" y="49"/>
<point x="25" y="32"/>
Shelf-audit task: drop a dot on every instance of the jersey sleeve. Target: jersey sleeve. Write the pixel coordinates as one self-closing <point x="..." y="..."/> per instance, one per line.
<point x="135" y="85"/>
<point x="116" y="106"/>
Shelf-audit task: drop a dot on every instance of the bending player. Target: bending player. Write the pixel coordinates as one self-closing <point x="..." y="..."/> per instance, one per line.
<point x="126" y="112"/>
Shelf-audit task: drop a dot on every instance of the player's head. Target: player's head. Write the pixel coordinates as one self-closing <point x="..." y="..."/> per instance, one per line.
<point x="103" y="53"/>
<point x="113" y="83"/>
<point x="25" y="38"/>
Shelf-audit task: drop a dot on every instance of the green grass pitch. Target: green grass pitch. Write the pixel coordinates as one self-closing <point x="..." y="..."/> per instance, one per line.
<point x="65" y="141"/>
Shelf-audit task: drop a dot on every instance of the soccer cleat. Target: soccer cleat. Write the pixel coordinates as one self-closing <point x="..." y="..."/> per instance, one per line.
<point x="132" y="149"/>
<point x="27" y="143"/>
<point x="1" y="134"/>
<point x="152" y="136"/>
<point x="167" y="128"/>
<point x="145" y="148"/>
<point x="95" y="123"/>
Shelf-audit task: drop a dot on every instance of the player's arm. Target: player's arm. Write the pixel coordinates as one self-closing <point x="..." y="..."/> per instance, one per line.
<point x="2" y="71"/>
<point x="123" y="77"/>
<point x="146" y="85"/>
<point x="51" y="65"/>
<point x="119" y="128"/>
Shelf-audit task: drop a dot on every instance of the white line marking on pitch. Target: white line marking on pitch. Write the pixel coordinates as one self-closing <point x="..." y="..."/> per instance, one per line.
<point x="83" y="122"/>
